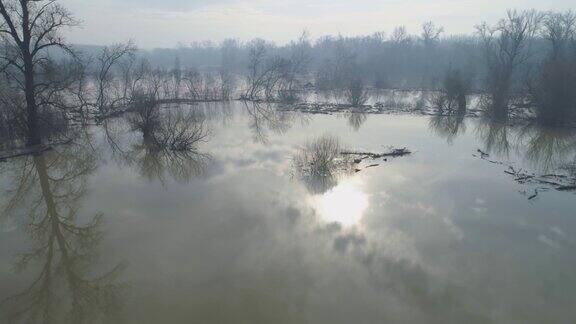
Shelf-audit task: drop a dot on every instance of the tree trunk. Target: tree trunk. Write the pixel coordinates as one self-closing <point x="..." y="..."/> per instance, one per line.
<point x="29" y="86"/>
<point x="31" y="107"/>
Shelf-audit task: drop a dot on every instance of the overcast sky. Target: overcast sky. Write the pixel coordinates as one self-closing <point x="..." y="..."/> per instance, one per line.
<point x="166" y="23"/>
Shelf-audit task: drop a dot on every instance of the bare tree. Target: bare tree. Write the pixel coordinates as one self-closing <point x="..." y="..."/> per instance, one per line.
<point x="294" y="69"/>
<point x="146" y="118"/>
<point x="553" y="90"/>
<point x="451" y="99"/>
<point x="505" y="48"/>
<point x="29" y="28"/>
<point x="177" y="76"/>
<point x="174" y="130"/>
<point x="227" y="84"/>
<point x="256" y="60"/>
<point x="109" y="57"/>
<point x="430" y="34"/>
<point x="400" y="36"/>
<point x="355" y="93"/>
<point x="230" y="49"/>
<point x="208" y="86"/>
<point x="559" y="29"/>
<point x="194" y="84"/>
<point x="264" y="71"/>
<point x="336" y="71"/>
<point x="134" y="74"/>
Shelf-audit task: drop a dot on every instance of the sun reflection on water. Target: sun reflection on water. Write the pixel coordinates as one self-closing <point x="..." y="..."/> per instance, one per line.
<point x="344" y="204"/>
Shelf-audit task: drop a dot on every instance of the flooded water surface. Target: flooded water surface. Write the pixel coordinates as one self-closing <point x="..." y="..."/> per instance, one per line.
<point x="110" y="229"/>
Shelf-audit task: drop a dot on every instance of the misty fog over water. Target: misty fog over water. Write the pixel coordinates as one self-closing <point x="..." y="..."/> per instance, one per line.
<point x="405" y="176"/>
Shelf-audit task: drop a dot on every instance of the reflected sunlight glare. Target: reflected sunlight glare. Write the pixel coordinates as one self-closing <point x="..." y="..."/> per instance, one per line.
<point x="344" y="204"/>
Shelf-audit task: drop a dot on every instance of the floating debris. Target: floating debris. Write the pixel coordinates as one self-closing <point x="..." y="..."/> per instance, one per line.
<point x="370" y="155"/>
<point x="556" y="181"/>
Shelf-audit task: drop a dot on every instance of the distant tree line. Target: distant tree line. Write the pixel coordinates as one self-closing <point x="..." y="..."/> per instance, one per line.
<point x="528" y="57"/>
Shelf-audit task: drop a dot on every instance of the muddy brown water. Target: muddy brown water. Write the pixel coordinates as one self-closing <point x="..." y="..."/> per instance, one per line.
<point x="108" y="231"/>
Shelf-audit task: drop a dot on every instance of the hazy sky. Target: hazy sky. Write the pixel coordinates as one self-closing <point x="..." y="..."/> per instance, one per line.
<point x="165" y="23"/>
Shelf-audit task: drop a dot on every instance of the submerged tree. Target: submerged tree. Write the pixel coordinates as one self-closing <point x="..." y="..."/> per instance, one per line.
<point x="107" y="60"/>
<point x="274" y="76"/>
<point x="430" y="37"/>
<point x="451" y="99"/>
<point x="355" y="93"/>
<point x="338" y="67"/>
<point x="169" y="143"/>
<point x="264" y="71"/>
<point x="553" y="88"/>
<point x="29" y="29"/>
<point x="505" y="48"/>
<point x="207" y="86"/>
<point x="294" y="70"/>
<point x="319" y="163"/>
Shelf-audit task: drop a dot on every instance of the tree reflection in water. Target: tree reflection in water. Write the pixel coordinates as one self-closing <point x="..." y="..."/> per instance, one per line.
<point x="169" y="150"/>
<point x="155" y="163"/>
<point x="543" y="148"/>
<point x="496" y="136"/>
<point x="448" y="127"/>
<point x="48" y="190"/>
<point x="548" y="148"/>
<point x="356" y="120"/>
<point x="264" y="117"/>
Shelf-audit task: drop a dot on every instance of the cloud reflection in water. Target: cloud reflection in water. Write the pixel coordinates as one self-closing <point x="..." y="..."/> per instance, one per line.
<point x="344" y="204"/>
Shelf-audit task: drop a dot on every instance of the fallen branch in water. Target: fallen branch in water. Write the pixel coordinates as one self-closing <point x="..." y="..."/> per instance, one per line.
<point x="559" y="182"/>
<point x="393" y="153"/>
<point x="485" y="156"/>
<point x="361" y="156"/>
